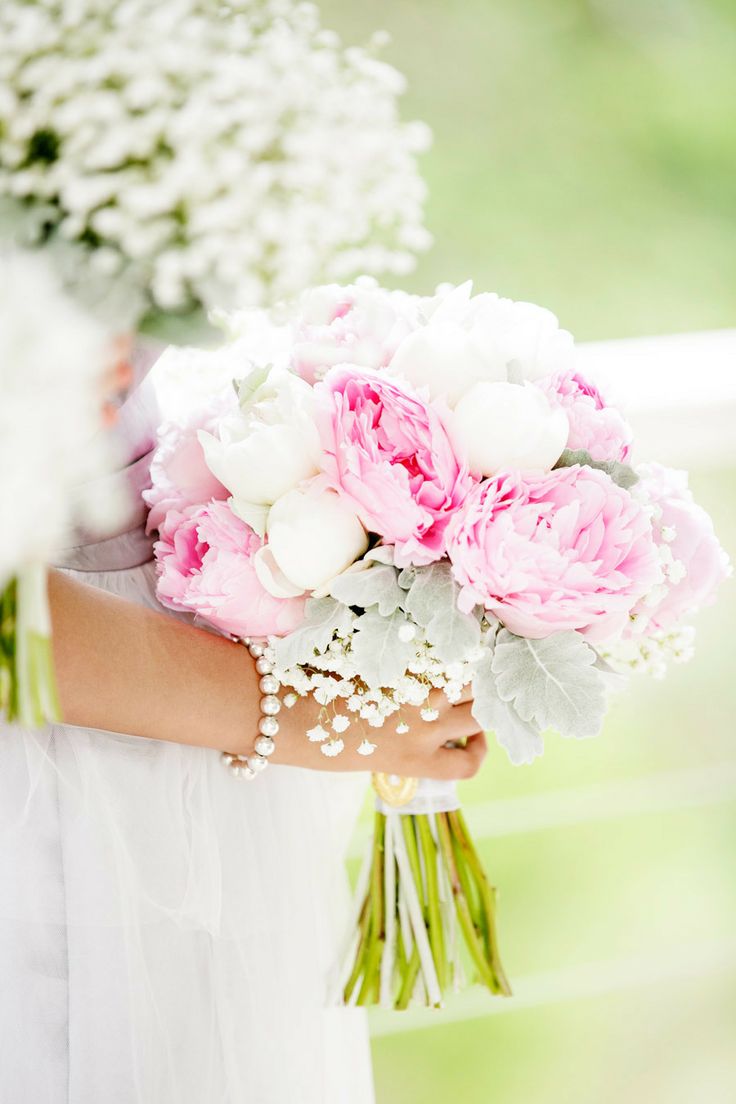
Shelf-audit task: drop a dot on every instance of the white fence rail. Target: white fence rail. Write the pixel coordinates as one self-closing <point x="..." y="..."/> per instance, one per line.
<point x="679" y="392"/>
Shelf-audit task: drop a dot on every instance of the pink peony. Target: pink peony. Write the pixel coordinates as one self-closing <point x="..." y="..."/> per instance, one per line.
<point x="204" y="559"/>
<point x="693" y="561"/>
<point x="361" y="324"/>
<point x="565" y="550"/>
<point x="180" y="476"/>
<point x="594" y="426"/>
<point x="387" y="452"/>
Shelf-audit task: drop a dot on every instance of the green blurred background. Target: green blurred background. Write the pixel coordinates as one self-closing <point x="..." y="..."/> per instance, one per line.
<point x="585" y="158"/>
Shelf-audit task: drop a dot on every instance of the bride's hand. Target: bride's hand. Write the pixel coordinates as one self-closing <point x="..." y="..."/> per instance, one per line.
<point x="422" y="752"/>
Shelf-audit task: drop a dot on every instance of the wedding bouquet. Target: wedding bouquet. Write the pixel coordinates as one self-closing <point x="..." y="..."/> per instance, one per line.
<point x="51" y="359"/>
<point x="405" y="495"/>
<point x="174" y="157"/>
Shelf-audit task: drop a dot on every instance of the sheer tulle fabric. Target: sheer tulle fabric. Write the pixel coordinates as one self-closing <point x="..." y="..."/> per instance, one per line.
<point x="169" y="935"/>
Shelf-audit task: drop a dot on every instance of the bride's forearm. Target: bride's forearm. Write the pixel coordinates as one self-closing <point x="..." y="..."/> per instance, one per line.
<point x="124" y="668"/>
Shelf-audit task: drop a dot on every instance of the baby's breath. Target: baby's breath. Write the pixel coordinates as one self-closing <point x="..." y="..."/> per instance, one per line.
<point x="207" y="155"/>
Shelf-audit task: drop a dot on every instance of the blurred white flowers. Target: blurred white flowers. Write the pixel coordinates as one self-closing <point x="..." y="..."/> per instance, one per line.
<point x="52" y="357"/>
<point x="207" y="156"/>
<point x="52" y="448"/>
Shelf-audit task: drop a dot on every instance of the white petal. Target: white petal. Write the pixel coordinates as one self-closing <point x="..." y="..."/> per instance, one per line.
<point x="251" y="513"/>
<point x="271" y="577"/>
<point x="317" y="734"/>
<point x="503" y="426"/>
<point x="332" y="748"/>
<point x="314" y="536"/>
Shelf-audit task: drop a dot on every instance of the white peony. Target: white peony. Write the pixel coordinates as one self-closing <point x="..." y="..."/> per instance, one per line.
<point x="312" y="536"/>
<point x="268" y="447"/>
<point x="360" y="324"/>
<point x="468" y="339"/>
<point x="501" y="426"/>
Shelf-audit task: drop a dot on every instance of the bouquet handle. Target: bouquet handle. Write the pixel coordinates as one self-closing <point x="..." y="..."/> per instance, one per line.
<point x="422" y="895"/>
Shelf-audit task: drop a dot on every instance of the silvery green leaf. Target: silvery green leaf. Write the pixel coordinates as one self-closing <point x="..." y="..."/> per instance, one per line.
<point x="621" y="474"/>
<point x="522" y="740"/>
<point x="323" y="617"/>
<point x="379" y="653"/>
<point x="407" y="577"/>
<point x="381" y="553"/>
<point x="432" y="602"/>
<point x="552" y="682"/>
<point x="372" y="586"/>
<point x="247" y="387"/>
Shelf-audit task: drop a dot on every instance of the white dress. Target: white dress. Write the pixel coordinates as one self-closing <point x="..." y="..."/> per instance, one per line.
<point x="168" y="934"/>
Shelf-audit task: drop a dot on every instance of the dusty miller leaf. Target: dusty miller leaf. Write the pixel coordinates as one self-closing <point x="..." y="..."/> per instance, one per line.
<point x="323" y="617"/>
<point x="621" y="474"/>
<point x="432" y="602"/>
<point x="552" y="682"/>
<point x="521" y="740"/>
<point x="372" y="586"/>
<point x="377" y="650"/>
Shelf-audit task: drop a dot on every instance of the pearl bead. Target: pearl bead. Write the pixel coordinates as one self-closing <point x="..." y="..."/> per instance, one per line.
<point x="257" y="763"/>
<point x="268" y="726"/>
<point x="227" y="758"/>
<point x="269" y="684"/>
<point x="265" y="746"/>
<point x="263" y="667"/>
<point x="270" y="706"/>
<point x="256" y="650"/>
<point x="248" y="773"/>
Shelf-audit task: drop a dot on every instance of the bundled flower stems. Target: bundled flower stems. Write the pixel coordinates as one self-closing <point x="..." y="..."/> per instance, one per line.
<point x="405" y="497"/>
<point x="427" y="912"/>
<point x="27" y="681"/>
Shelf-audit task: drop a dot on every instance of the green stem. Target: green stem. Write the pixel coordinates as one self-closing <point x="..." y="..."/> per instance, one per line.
<point x="487" y="896"/>
<point x="368" y="993"/>
<point x="401" y="961"/>
<point x="407" y="825"/>
<point x="472" y="940"/>
<point x="469" y="889"/>
<point x="8" y="621"/>
<point x="374" y="947"/>
<point x="364" y="922"/>
<point x="433" y="910"/>
<point x="408" y="981"/>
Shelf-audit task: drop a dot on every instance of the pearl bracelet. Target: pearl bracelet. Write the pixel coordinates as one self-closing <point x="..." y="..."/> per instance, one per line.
<point x="250" y="766"/>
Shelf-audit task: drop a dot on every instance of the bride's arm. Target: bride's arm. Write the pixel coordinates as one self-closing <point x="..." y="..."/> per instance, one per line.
<point x="124" y="668"/>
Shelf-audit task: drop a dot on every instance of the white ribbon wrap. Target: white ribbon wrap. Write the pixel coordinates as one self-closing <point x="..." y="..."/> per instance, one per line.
<point x="432" y="796"/>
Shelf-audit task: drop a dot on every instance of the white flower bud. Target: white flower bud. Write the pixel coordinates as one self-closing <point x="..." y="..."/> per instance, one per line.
<point x="504" y="426"/>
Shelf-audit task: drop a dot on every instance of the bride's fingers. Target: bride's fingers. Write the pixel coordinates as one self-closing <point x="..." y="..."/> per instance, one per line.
<point x="461" y="762"/>
<point x="458" y="722"/>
